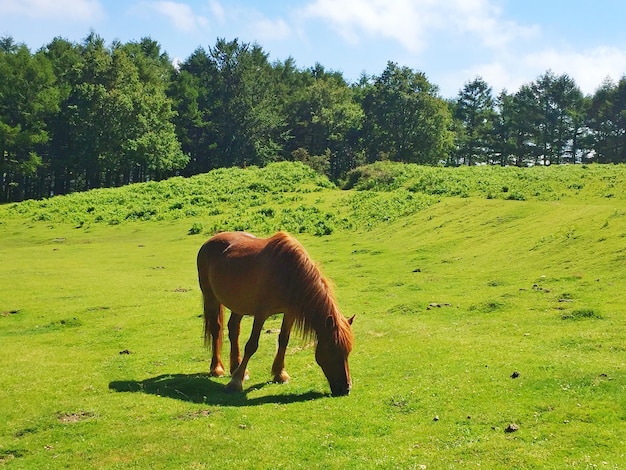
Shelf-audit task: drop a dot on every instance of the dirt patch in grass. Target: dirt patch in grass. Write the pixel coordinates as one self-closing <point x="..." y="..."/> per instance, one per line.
<point x="9" y="312"/>
<point x="195" y="415"/>
<point x="68" y="418"/>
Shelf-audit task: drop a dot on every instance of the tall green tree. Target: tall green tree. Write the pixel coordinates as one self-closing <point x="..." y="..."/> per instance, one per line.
<point x="607" y="121"/>
<point x="543" y="122"/>
<point x="28" y="95"/>
<point x="557" y="100"/>
<point x="515" y="127"/>
<point x="405" y="119"/>
<point x="248" y="123"/>
<point x="505" y="139"/>
<point x="324" y="119"/>
<point x="63" y="164"/>
<point x="86" y="113"/>
<point x="475" y="111"/>
<point x="117" y="116"/>
<point x="142" y="112"/>
<point x="193" y="90"/>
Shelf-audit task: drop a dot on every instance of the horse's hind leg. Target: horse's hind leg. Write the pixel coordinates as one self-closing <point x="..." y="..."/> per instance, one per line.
<point x="234" y="328"/>
<point x="278" y="368"/>
<point x="236" y="382"/>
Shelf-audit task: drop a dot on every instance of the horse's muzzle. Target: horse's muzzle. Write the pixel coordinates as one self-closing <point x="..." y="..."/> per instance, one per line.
<point x="340" y="390"/>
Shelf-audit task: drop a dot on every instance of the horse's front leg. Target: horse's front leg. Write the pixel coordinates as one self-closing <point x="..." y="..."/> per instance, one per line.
<point x="236" y="382"/>
<point x="278" y="368"/>
<point x="234" y="328"/>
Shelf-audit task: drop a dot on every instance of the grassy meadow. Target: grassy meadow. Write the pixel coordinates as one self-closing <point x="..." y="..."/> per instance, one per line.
<point x="490" y="323"/>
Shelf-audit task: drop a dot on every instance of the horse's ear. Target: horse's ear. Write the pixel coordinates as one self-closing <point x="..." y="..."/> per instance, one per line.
<point x="330" y="323"/>
<point x="351" y="319"/>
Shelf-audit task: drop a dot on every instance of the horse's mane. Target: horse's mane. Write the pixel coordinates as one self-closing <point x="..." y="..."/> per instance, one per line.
<point x="310" y="292"/>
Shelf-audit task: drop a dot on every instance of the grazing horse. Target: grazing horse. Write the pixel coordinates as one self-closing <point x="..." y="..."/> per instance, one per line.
<point x="262" y="277"/>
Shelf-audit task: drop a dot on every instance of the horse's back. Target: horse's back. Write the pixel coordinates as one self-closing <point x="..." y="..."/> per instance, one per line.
<point x="239" y="246"/>
<point x="225" y="239"/>
<point x="239" y="272"/>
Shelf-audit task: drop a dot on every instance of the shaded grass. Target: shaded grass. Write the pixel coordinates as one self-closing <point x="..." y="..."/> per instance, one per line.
<point x="582" y="313"/>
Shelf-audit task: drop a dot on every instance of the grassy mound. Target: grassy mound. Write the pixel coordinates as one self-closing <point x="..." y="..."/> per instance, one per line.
<point x="512" y="183"/>
<point x="213" y="193"/>
<point x="281" y="196"/>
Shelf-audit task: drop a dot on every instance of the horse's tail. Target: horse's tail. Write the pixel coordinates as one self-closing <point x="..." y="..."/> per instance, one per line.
<point x="211" y="322"/>
<point x="213" y="310"/>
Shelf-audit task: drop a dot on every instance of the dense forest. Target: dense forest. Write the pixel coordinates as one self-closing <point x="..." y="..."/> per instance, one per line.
<point x="75" y="116"/>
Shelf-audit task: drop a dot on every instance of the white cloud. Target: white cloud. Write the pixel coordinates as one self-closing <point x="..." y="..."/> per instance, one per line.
<point x="414" y="24"/>
<point x="77" y="10"/>
<point x="353" y="19"/>
<point x="181" y="15"/>
<point x="266" y="29"/>
<point x="589" y="68"/>
<point x="501" y="75"/>
<point x="482" y="19"/>
<point x="217" y="10"/>
<point x="249" y="22"/>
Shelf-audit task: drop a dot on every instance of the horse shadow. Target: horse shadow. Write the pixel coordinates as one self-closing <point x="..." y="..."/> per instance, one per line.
<point x="201" y="388"/>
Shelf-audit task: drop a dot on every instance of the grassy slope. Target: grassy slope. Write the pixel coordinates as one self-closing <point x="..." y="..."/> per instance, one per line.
<point x="529" y="286"/>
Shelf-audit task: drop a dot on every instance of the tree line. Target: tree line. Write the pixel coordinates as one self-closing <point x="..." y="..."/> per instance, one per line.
<point x="76" y="116"/>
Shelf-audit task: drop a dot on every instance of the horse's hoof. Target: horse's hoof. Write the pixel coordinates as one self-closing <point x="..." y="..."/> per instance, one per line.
<point x="282" y="378"/>
<point x="234" y="387"/>
<point x="217" y="372"/>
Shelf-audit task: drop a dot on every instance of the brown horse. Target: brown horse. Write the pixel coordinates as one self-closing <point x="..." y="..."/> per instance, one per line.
<point x="262" y="277"/>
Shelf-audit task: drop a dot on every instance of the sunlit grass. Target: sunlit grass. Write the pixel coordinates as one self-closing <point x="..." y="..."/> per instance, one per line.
<point x="472" y="314"/>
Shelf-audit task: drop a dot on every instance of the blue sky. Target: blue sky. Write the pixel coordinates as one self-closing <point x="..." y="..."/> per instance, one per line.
<point x="507" y="42"/>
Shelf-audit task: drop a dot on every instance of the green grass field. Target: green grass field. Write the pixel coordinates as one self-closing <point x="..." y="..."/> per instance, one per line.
<point x="490" y="323"/>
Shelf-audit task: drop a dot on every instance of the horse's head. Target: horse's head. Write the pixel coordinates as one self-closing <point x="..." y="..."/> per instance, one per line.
<point x="333" y="347"/>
